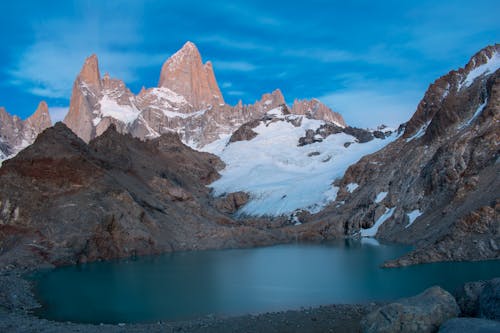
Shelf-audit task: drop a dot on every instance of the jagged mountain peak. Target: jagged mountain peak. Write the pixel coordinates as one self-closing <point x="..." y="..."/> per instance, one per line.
<point x="184" y="73"/>
<point x="90" y="71"/>
<point x="460" y="89"/>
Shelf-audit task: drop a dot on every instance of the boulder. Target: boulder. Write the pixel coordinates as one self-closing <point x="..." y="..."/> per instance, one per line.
<point x="470" y="325"/>
<point x="489" y="300"/>
<point x="467" y="298"/>
<point x="422" y="313"/>
<point x="232" y="202"/>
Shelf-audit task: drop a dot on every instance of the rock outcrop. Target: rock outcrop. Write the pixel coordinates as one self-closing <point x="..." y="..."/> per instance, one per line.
<point x="16" y="134"/>
<point x="422" y="313"/>
<point x="315" y="109"/>
<point x="470" y="325"/>
<point x="187" y="101"/>
<point x="438" y="182"/>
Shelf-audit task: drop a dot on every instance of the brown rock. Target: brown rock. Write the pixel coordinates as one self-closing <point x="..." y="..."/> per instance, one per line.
<point x="185" y="74"/>
<point x="316" y="110"/>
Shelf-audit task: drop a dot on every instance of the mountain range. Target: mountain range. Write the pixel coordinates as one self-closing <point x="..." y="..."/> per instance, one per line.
<point x="174" y="168"/>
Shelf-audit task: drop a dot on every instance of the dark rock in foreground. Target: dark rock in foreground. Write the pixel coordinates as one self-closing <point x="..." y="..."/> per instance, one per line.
<point x="422" y="313"/>
<point x="470" y="325"/>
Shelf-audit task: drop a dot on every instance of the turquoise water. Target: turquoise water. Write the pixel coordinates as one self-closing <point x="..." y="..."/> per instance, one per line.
<point x="231" y="282"/>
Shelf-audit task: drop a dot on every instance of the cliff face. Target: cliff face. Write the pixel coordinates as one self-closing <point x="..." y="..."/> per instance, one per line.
<point x="187" y="101"/>
<point x="16" y="134"/>
<point x="438" y="185"/>
<point x="185" y="74"/>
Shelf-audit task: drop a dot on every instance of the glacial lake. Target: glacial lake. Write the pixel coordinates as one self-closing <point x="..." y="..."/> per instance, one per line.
<point x="186" y="285"/>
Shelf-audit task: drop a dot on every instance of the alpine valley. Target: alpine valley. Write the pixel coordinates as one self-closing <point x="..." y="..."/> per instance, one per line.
<point x="176" y="168"/>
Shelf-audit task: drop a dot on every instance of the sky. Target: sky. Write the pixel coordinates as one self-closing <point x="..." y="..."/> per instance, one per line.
<point x="369" y="60"/>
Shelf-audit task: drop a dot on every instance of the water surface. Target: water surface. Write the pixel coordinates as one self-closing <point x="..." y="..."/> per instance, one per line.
<point x="187" y="285"/>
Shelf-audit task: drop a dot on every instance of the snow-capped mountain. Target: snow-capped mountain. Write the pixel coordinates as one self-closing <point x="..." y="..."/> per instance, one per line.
<point x="438" y="184"/>
<point x="288" y="162"/>
<point x="187" y="101"/>
<point x="17" y="134"/>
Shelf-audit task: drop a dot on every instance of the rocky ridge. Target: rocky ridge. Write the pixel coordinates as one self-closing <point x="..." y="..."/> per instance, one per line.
<point x="16" y="134"/>
<point x="437" y="185"/>
<point x="187" y="101"/>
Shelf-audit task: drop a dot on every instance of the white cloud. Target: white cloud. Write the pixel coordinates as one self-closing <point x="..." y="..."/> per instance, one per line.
<point x="58" y="113"/>
<point x="237" y="66"/>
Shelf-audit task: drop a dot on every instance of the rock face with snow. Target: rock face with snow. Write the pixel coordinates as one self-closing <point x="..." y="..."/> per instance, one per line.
<point x="16" y="134"/>
<point x="287" y="162"/>
<point x="317" y="110"/>
<point x="187" y="101"/>
<point x="440" y="178"/>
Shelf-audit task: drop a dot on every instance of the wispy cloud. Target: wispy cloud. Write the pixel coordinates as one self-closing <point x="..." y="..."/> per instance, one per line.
<point x="49" y="66"/>
<point x="239" y="66"/>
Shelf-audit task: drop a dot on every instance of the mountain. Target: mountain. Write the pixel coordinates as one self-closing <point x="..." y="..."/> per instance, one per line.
<point x="437" y="186"/>
<point x="65" y="201"/>
<point x="16" y="134"/>
<point x="187" y="101"/>
<point x="294" y="159"/>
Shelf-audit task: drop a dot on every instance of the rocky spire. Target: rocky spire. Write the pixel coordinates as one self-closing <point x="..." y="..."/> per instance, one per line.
<point x="90" y="71"/>
<point x="40" y="120"/>
<point x="84" y="97"/>
<point x="185" y="74"/>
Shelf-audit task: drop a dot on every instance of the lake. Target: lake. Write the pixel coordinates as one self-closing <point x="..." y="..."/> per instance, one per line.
<point x="186" y="285"/>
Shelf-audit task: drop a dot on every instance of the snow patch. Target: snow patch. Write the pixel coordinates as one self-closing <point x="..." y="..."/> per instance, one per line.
<point x="475" y="115"/>
<point x="351" y="187"/>
<point x="490" y="66"/>
<point x="110" y="108"/>
<point x="278" y="174"/>
<point x="372" y="232"/>
<point x="381" y="196"/>
<point x="413" y="216"/>
<point x="419" y="133"/>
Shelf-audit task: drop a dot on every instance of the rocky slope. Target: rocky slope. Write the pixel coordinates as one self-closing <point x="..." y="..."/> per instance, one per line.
<point x="65" y="201"/>
<point x="16" y="134"/>
<point x="437" y="186"/>
<point x="187" y="101"/>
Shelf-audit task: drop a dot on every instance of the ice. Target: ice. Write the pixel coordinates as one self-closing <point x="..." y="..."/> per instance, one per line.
<point x="413" y="216"/>
<point x="351" y="187"/>
<point x="419" y="133"/>
<point x="125" y="113"/>
<point x="279" y="175"/>
<point x="475" y="115"/>
<point x="372" y="232"/>
<point x="490" y="66"/>
<point x="381" y="196"/>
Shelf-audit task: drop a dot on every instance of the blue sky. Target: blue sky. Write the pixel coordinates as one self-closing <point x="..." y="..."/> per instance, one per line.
<point x="369" y="60"/>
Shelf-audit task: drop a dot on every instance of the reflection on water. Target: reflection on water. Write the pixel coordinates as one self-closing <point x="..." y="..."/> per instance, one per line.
<point x="229" y="282"/>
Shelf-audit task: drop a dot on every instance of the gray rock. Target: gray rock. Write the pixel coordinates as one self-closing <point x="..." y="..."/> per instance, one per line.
<point x="470" y="325"/>
<point x="468" y="298"/>
<point x="489" y="300"/>
<point x="422" y="313"/>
